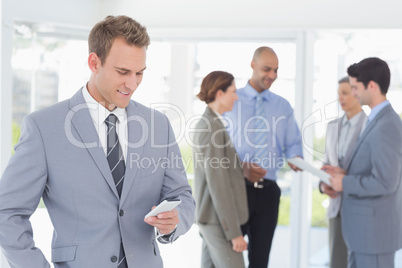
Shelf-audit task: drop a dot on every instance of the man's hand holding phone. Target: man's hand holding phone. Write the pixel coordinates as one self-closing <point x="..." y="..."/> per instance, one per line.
<point x="164" y="217"/>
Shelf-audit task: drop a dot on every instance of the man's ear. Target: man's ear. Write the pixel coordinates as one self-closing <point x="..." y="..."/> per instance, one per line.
<point x="94" y="62"/>
<point x="373" y="86"/>
<point x="252" y="64"/>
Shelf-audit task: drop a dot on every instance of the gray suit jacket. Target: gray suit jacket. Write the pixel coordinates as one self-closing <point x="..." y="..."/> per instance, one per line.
<point x="220" y="188"/>
<point x="332" y="151"/>
<point x="59" y="158"/>
<point x="372" y="192"/>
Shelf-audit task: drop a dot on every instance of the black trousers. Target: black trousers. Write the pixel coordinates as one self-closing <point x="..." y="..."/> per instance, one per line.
<point x="263" y="204"/>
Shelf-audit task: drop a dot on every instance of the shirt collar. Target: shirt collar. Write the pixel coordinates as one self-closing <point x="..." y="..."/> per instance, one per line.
<point x="377" y="109"/>
<point x="98" y="112"/>
<point x="251" y="93"/>
<point x="352" y="121"/>
<point x="221" y="118"/>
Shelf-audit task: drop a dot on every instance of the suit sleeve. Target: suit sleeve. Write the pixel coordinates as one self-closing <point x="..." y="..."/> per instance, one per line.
<point x="218" y="183"/>
<point x="21" y="187"/>
<point x="385" y="156"/>
<point x="176" y="185"/>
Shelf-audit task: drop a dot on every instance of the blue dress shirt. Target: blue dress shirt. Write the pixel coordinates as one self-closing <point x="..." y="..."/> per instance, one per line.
<point x="376" y="109"/>
<point x="284" y="138"/>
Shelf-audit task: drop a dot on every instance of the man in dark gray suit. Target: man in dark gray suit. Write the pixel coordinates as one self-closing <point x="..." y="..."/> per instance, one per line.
<point x="371" y="184"/>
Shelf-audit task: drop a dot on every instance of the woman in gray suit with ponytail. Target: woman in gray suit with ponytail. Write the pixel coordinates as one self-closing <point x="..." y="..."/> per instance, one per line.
<point x="219" y="182"/>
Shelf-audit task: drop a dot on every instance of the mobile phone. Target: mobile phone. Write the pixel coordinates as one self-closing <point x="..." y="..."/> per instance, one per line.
<point x="166" y="205"/>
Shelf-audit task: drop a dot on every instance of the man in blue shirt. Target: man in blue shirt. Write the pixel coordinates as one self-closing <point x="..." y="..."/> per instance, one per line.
<point x="263" y="129"/>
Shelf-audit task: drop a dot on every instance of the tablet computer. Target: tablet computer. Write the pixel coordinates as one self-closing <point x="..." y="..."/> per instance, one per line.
<point x="304" y="165"/>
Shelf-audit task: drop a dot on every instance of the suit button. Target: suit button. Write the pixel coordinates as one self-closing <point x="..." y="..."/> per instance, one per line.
<point x="121" y="212"/>
<point x="113" y="259"/>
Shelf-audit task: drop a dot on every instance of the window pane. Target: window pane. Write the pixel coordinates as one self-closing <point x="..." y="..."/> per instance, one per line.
<point x="46" y="69"/>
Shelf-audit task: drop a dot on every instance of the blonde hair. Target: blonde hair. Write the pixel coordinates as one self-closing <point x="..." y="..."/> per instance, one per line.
<point x="103" y="34"/>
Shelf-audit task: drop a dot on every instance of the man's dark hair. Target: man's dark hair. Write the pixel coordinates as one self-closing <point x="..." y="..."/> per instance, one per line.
<point x="372" y="69"/>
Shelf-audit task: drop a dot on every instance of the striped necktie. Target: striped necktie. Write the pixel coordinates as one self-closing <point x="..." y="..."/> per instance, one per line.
<point x="261" y="135"/>
<point x="117" y="167"/>
<point x="114" y="153"/>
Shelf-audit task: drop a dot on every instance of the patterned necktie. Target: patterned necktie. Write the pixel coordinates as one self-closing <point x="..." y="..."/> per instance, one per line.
<point x="114" y="153"/>
<point x="117" y="167"/>
<point x="261" y="135"/>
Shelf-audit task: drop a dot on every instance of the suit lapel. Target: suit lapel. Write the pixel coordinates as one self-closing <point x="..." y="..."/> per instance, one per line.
<point x="135" y="145"/>
<point x="83" y="124"/>
<point x="367" y="130"/>
<point x="214" y="119"/>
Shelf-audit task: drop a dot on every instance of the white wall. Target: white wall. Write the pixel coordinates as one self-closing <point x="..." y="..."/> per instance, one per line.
<point x="5" y="94"/>
<point x="227" y="14"/>
<point x="80" y="15"/>
<point x="265" y="14"/>
<point x="205" y="15"/>
<point x="71" y="12"/>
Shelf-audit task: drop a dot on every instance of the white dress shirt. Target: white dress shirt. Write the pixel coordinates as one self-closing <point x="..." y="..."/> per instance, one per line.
<point x="99" y="114"/>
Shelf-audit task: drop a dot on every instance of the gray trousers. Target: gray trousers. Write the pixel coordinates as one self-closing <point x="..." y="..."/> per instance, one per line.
<point x="217" y="252"/>
<point x="338" y="252"/>
<point x="360" y="260"/>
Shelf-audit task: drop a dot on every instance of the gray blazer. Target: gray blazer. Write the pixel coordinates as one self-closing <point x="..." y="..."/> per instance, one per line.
<point x="372" y="192"/>
<point x="220" y="188"/>
<point x="331" y="154"/>
<point x="59" y="158"/>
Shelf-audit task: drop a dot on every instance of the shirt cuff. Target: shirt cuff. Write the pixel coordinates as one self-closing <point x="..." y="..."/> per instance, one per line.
<point x="320" y="187"/>
<point x="165" y="238"/>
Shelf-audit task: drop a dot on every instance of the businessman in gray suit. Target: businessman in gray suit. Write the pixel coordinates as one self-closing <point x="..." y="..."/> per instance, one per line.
<point x="371" y="184"/>
<point x="100" y="161"/>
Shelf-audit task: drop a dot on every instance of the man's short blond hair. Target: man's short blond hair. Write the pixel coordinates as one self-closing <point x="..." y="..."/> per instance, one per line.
<point x="103" y="34"/>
